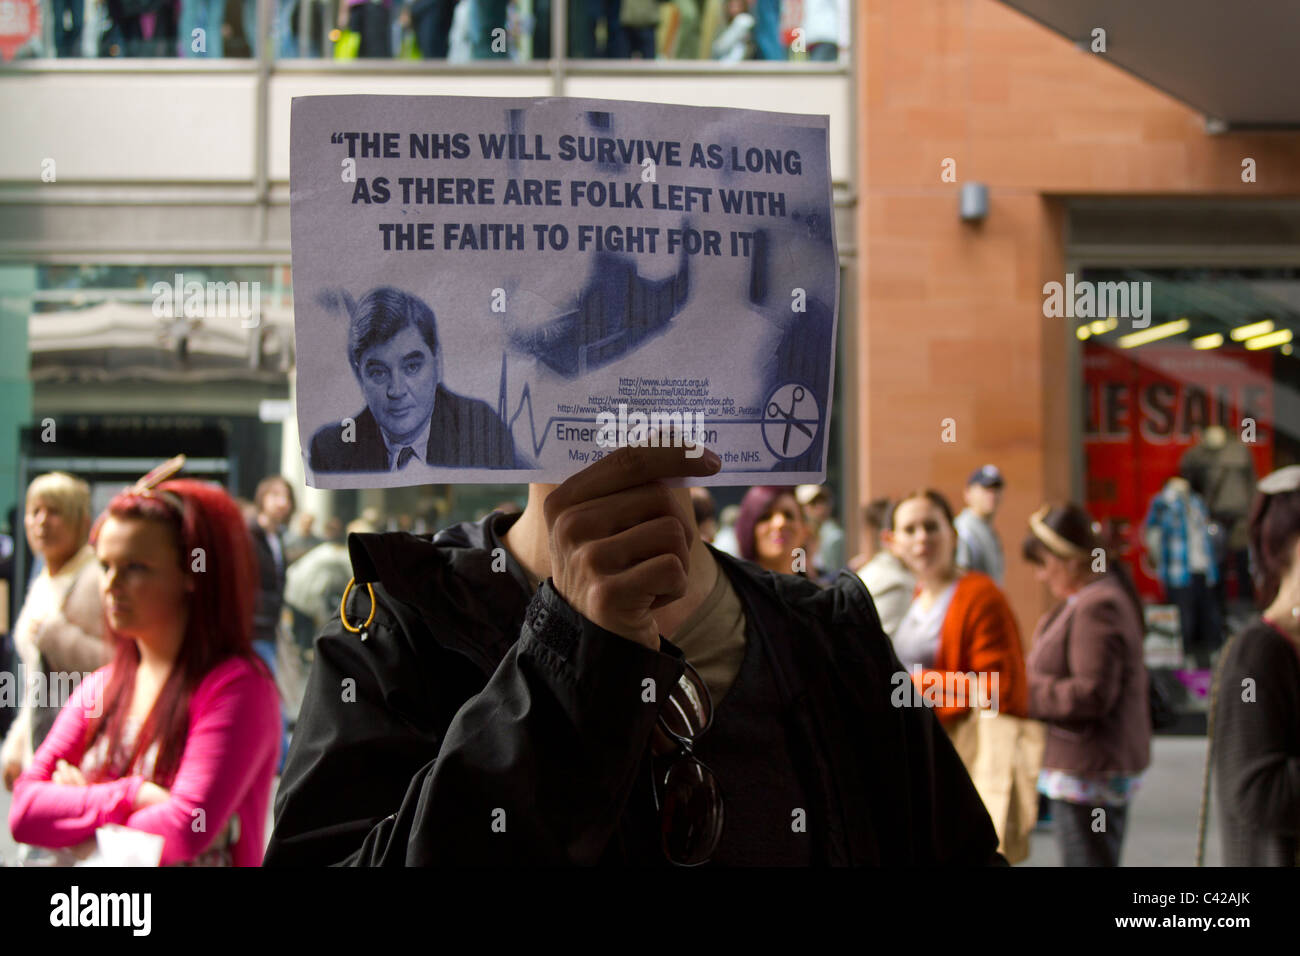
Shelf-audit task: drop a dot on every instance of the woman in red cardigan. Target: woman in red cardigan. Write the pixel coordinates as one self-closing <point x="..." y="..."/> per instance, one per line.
<point x="959" y="630"/>
<point x="960" y="641"/>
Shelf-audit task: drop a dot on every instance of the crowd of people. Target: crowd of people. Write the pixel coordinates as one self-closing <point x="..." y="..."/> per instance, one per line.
<point x="452" y="30"/>
<point x="181" y="606"/>
<point x="935" y="578"/>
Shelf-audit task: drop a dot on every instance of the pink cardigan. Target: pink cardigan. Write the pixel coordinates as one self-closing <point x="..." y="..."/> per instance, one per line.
<point x="228" y="766"/>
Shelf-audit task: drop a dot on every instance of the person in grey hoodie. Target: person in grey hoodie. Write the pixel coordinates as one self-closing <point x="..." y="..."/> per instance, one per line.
<point x="978" y="545"/>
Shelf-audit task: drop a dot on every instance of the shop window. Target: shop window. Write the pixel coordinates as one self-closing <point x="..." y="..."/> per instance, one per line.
<point x="1205" y="387"/>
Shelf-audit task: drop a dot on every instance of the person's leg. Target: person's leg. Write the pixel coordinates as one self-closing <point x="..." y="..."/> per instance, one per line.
<point x="1068" y="838"/>
<point x="1082" y="844"/>
<point x="607" y="11"/>
<point x="58" y="9"/>
<point x="216" y="17"/>
<point x="132" y="39"/>
<point x="250" y="28"/>
<point x="287" y="44"/>
<point x="487" y="16"/>
<point x="1245" y="586"/>
<point x="189" y="22"/>
<point x="1181" y="598"/>
<point x="541" y="29"/>
<point x="1195" y="631"/>
<point x="445" y="12"/>
<point x="92" y="28"/>
<point x="78" y="22"/>
<point x="1113" y="839"/>
<point x="620" y="41"/>
<point x="425" y="26"/>
<point x="166" y="35"/>
<point x="67" y="16"/>
<point x="581" y="28"/>
<point x="634" y="43"/>
<point x="195" y="15"/>
<point x="767" y="30"/>
<point x="687" y="46"/>
<point x="1211" y="602"/>
<point x="376" y="43"/>
<point x="267" y="652"/>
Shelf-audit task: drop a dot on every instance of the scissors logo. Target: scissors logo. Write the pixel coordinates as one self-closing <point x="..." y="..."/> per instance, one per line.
<point x="787" y="428"/>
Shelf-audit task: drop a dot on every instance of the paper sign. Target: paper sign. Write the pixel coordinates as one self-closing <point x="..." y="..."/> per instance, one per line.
<point x="116" y="845"/>
<point x="505" y="290"/>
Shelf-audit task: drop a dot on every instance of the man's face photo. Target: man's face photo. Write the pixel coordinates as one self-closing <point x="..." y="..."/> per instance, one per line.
<point x="399" y="379"/>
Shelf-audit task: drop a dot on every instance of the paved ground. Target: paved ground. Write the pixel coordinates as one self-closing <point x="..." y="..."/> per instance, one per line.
<point x="1162" y="825"/>
<point x="1162" y="819"/>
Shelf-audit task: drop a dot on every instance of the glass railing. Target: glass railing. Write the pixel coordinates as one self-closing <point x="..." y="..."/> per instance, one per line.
<point x="453" y="31"/>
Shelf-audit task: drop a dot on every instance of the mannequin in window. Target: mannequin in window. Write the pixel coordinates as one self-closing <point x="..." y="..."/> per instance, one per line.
<point x="1222" y="471"/>
<point x="1177" y="534"/>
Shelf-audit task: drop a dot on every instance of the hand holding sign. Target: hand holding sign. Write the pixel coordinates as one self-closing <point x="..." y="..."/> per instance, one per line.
<point x="620" y="541"/>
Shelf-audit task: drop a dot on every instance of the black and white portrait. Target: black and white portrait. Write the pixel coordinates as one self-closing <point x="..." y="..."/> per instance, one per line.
<point x="409" y="416"/>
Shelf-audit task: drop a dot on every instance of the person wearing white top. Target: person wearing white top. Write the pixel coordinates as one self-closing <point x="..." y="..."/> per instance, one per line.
<point x="58" y="636"/>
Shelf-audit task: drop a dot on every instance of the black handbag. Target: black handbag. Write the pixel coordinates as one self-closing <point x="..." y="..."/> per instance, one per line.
<point x="1165" y="695"/>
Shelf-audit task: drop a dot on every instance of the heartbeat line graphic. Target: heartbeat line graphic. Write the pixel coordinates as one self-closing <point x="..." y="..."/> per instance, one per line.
<point x="527" y="398"/>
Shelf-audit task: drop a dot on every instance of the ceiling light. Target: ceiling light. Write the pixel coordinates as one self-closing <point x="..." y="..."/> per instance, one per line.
<point x="1153" y="334"/>
<point x="1250" y="331"/>
<point x="1280" y="337"/>
<point x="1208" y="341"/>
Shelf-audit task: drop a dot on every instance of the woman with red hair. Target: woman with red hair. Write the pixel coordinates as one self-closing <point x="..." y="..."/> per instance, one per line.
<point x="179" y="734"/>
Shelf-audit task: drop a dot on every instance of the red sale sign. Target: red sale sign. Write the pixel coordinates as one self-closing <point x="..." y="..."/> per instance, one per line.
<point x="1145" y="407"/>
<point x="20" y="22"/>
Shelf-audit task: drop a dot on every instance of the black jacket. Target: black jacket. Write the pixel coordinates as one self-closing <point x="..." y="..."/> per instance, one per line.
<point x="270" y="585"/>
<point x="1257" y="750"/>
<point x="465" y="432"/>
<point x="467" y="698"/>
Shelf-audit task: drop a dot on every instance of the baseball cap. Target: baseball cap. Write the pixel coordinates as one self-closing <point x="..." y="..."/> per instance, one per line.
<point x="988" y="476"/>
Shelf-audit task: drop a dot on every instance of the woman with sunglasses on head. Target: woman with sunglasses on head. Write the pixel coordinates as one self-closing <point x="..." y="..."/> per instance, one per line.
<point x="1255" y="711"/>
<point x="589" y="682"/>
<point x="179" y="734"/>
<point x="1088" y="683"/>
<point x="771" y="530"/>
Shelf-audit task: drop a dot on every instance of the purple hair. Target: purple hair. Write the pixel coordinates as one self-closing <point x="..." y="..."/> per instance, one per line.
<point x="756" y="503"/>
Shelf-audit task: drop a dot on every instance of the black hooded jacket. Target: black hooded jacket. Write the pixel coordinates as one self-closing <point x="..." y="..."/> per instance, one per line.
<point x="474" y="726"/>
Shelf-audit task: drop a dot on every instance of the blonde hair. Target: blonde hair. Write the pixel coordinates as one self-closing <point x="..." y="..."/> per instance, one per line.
<point x="69" y="495"/>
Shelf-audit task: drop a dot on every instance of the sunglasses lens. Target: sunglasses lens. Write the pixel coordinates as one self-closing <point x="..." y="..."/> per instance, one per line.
<point x="688" y="709"/>
<point x="691" y="814"/>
